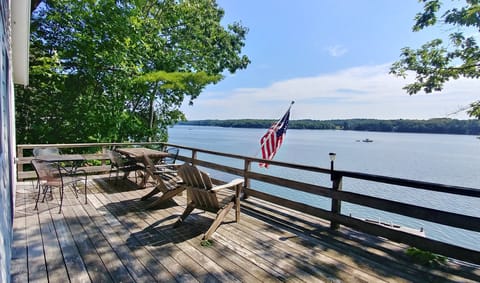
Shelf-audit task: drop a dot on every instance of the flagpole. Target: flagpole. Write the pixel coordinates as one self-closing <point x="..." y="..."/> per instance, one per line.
<point x="269" y="137"/>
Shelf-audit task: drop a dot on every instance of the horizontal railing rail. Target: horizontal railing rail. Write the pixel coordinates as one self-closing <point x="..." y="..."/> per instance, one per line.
<point x="91" y="152"/>
<point x="332" y="190"/>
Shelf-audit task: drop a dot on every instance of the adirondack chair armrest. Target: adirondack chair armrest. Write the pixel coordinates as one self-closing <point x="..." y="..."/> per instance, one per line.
<point x="231" y="184"/>
<point x="167" y="167"/>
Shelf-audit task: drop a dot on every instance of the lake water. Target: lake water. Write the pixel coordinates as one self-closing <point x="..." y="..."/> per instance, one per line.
<point x="445" y="159"/>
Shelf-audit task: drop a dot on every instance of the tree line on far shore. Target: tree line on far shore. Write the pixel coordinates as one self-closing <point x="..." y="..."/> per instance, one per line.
<point x="436" y="126"/>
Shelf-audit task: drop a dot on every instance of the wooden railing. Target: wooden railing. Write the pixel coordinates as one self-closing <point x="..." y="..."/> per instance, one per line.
<point x="92" y="152"/>
<point x="332" y="190"/>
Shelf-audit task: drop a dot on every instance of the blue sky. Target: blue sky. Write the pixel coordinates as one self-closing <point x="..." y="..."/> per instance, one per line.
<point x="332" y="58"/>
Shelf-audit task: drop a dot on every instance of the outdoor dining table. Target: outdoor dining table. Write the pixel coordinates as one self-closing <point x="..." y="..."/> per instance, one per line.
<point x="138" y="153"/>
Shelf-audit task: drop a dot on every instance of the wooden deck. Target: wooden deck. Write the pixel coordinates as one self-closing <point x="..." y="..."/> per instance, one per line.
<point x="113" y="239"/>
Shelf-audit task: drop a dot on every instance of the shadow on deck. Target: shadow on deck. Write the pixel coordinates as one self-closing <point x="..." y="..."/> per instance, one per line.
<point x="113" y="238"/>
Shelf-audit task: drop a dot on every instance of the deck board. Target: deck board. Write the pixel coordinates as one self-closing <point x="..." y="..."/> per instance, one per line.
<point x="53" y="254"/>
<point x="94" y="266"/>
<point x="114" y="238"/>
<point x="37" y="270"/>
<point x="19" y="268"/>
<point x="74" y="262"/>
<point x="201" y="256"/>
<point x="148" y="259"/>
<point x="180" y="264"/>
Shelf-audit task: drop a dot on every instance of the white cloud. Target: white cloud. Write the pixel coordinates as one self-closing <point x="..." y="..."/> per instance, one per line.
<point x="360" y="92"/>
<point x="337" y="50"/>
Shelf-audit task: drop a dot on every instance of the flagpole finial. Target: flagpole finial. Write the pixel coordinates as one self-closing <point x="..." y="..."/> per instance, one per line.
<point x="292" y="102"/>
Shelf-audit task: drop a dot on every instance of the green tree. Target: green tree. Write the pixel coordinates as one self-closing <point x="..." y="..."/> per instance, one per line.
<point x="437" y="62"/>
<point x="117" y="70"/>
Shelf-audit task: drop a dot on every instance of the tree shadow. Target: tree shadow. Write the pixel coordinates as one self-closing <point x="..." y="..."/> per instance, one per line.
<point x="113" y="185"/>
<point x="162" y="232"/>
<point x="369" y="252"/>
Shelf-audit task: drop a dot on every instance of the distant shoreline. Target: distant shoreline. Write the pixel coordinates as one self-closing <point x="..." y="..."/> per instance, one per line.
<point x="431" y="126"/>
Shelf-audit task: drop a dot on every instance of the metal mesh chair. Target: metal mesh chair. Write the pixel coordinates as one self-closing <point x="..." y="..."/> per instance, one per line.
<point x="119" y="163"/>
<point x="52" y="175"/>
<point x="167" y="164"/>
<point x="39" y="151"/>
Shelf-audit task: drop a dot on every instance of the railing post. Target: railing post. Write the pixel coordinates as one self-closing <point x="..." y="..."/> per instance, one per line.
<point x="104" y="152"/>
<point x="194" y="156"/>
<point x="246" y="181"/>
<point x="336" y="186"/>
<point x="19" y="165"/>
<point x="336" y="204"/>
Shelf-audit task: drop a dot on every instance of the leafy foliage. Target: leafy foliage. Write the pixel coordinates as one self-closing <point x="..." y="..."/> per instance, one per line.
<point x="438" y="126"/>
<point x="119" y="70"/>
<point x="437" y="62"/>
<point x="425" y="257"/>
<point x="206" y="243"/>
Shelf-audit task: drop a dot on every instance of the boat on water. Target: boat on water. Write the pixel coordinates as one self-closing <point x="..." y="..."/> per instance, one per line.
<point x="364" y="140"/>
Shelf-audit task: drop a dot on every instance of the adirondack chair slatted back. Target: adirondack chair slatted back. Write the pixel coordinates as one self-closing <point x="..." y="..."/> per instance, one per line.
<point x="166" y="182"/>
<point x="202" y="194"/>
<point x="199" y="185"/>
<point x="194" y="177"/>
<point x="150" y="168"/>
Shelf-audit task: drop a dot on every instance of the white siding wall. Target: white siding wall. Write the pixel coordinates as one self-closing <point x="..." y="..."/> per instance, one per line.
<point x="6" y="143"/>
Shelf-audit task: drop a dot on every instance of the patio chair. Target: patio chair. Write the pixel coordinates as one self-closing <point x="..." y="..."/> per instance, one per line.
<point x="203" y="194"/>
<point x="119" y="163"/>
<point x="167" y="164"/>
<point x="50" y="175"/>
<point x="167" y="183"/>
<point x="39" y="151"/>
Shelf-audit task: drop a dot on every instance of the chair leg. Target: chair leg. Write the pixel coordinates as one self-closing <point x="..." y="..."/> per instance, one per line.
<point x="61" y="199"/>
<point x="218" y="220"/>
<point x="45" y="190"/>
<point x="75" y="190"/>
<point x="187" y="211"/>
<point x="38" y="195"/>
<point x="237" y="209"/>
<point x="165" y="196"/>
<point x="86" y="190"/>
<point x="151" y="193"/>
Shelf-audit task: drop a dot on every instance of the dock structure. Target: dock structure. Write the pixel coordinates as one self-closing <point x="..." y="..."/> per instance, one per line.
<point x="391" y="225"/>
<point x="114" y="238"/>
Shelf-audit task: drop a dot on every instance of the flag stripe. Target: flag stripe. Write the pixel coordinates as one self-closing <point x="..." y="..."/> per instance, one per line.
<point x="273" y="138"/>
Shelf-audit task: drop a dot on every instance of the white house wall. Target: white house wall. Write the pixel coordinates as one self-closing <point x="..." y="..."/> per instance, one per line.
<point x="6" y="190"/>
<point x="10" y="59"/>
<point x="20" y="40"/>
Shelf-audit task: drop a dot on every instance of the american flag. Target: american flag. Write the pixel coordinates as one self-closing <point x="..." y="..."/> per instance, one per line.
<point x="272" y="140"/>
